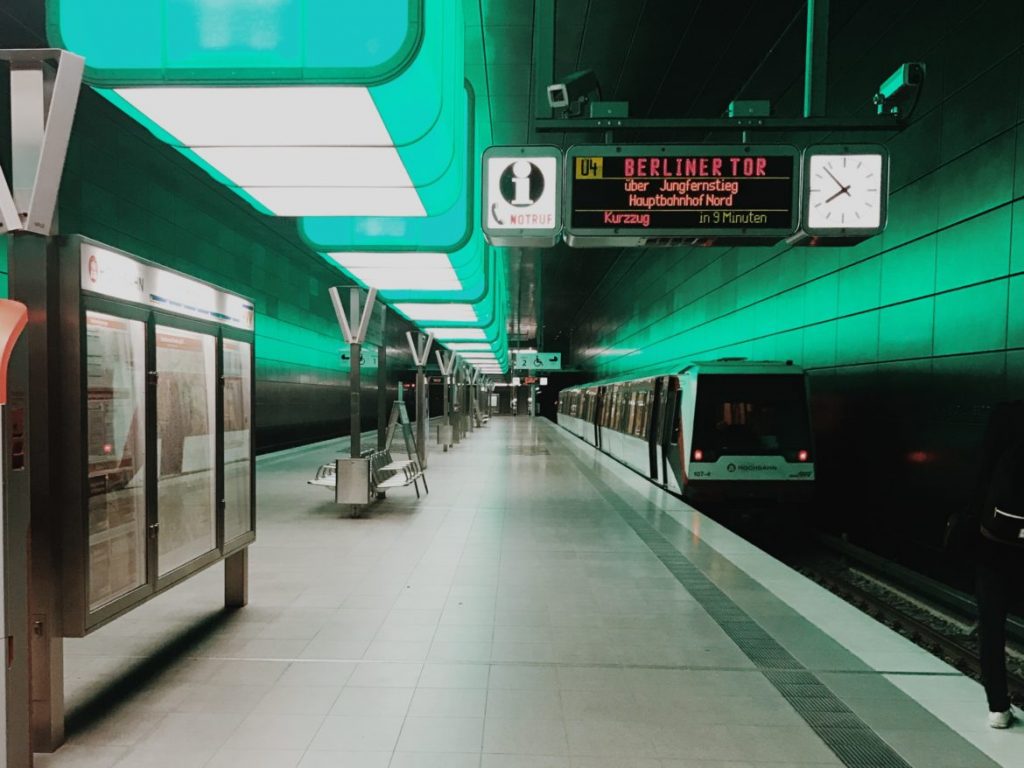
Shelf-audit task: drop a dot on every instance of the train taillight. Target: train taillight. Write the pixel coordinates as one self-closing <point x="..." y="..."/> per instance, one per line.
<point x="698" y="454"/>
<point x="802" y="456"/>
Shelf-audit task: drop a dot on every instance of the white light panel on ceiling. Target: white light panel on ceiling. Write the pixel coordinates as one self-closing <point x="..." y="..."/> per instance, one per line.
<point x="468" y="346"/>
<point x="401" y="271"/>
<point x="298" y="151"/>
<point x="308" y="166"/>
<point x="339" y="201"/>
<point x="307" y="116"/>
<point x="461" y="334"/>
<point x="441" y="312"/>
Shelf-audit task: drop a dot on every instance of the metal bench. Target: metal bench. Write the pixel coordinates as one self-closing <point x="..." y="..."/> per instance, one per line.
<point x="326" y="476"/>
<point x="385" y="472"/>
<point x="402" y="472"/>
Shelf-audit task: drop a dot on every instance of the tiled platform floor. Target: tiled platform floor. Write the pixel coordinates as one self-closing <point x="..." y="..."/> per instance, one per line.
<point x="518" y="616"/>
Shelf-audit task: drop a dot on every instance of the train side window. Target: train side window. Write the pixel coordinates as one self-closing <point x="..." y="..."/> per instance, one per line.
<point x="640" y="422"/>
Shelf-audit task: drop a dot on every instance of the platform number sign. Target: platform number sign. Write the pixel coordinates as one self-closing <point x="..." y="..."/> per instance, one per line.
<point x="589" y="167"/>
<point x="521" y="196"/>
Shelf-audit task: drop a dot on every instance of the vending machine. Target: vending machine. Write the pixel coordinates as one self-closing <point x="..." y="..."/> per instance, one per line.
<point x="14" y="503"/>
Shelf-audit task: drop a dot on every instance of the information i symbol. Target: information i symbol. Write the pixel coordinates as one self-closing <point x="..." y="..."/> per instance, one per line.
<point x="521" y="182"/>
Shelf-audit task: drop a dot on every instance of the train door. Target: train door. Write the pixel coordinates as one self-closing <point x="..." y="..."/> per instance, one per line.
<point x="655" y="431"/>
<point x="671" y="458"/>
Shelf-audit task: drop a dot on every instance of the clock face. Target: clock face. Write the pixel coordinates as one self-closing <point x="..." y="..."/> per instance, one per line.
<point x="845" y="191"/>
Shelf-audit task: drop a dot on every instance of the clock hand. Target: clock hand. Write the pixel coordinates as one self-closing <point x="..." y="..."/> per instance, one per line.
<point x="842" y="191"/>
<point x="837" y="181"/>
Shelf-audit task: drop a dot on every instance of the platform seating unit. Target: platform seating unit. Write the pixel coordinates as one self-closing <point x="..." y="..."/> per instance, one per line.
<point x="385" y="472"/>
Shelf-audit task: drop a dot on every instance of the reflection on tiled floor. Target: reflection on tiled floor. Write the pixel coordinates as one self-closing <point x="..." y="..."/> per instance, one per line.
<point x="509" y="619"/>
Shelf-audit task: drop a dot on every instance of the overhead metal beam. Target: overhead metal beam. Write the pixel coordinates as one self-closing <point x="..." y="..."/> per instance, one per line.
<point x="826" y="124"/>
<point x="543" y="70"/>
<point x="816" y="58"/>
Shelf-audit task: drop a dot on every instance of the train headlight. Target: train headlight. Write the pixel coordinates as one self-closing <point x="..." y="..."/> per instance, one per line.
<point x="698" y="454"/>
<point x="802" y="456"/>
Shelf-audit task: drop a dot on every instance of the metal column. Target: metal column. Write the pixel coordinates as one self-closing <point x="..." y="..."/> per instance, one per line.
<point x="32" y="263"/>
<point x="353" y="330"/>
<point x="352" y="476"/>
<point x="445" y="432"/>
<point x="44" y="95"/>
<point x="420" y="348"/>
<point x="382" y="390"/>
<point x="236" y="579"/>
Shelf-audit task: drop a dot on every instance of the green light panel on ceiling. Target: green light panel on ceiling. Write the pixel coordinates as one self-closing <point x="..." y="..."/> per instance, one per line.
<point x="298" y="41"/>
<point x="447" y="231"/>
<point x="323" y="149"/>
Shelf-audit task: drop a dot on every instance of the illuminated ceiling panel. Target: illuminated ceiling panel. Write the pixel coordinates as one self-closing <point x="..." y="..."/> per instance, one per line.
<point x="261" y="95"/>
<point x="332" y="201"/>
<point x="260" y="117"/>
<point x="468" y="346"/>
<point x="308" y="166"/>
<point x="401" y="271"/>
<point x="445" y="313"/>
<point x="230" y="40"/>
<point x="451" y="334"/>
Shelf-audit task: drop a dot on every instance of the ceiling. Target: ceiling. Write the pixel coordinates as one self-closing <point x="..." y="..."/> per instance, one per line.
<point x="667" y="58"/>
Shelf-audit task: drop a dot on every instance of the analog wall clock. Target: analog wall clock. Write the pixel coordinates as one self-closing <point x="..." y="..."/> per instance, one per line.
<point x="846" y="190"/>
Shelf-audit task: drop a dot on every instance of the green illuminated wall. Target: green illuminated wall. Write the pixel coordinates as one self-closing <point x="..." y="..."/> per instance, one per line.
<point x="909" y="336"/>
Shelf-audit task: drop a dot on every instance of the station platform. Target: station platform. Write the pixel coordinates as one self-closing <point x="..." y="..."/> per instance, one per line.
<point x="542" y="607"/>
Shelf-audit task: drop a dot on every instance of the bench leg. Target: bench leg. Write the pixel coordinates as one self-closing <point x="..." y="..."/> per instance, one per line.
<point x="416" y="485"/>
<point x="424" y="479"/>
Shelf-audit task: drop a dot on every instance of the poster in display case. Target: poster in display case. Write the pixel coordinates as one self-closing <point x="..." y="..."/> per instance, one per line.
<point x="160" y="375"/>
<point x="116" y="421"/>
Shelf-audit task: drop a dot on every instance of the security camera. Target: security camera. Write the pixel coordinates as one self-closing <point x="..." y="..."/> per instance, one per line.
<point x="574" y="90"/>
<point x="893" y="93"/>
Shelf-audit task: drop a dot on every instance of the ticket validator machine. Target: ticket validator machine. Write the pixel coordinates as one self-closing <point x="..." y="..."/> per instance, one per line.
<point x="14" y="504"/>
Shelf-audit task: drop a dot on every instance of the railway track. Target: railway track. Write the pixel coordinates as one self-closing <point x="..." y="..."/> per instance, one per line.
<point x="935" y="617"/>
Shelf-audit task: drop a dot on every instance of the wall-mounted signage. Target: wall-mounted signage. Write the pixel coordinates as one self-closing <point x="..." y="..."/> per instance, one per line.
<point x="657" y="195"/>
<point x="113" y="274"/>
<point x="845" y="193"/>
<point x="536" y="361"/>
<point x="522" y="203"/>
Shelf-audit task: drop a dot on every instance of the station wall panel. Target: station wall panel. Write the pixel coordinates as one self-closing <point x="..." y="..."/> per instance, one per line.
<point x="911" y="336"/>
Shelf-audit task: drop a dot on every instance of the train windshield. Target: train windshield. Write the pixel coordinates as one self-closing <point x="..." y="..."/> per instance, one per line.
<point x="751" y="414"/>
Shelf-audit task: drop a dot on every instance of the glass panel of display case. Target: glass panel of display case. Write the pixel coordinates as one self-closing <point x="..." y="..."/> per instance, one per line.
<point x="116" y="438"/>
<point x="237" y="438"/>
<point x="186" y="445"/>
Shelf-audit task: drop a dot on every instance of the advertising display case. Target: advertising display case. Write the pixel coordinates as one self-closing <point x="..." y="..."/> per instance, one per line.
<point x="157" y="408"/>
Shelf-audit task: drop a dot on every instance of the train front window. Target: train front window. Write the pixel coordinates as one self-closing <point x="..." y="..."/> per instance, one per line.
<point x="751" y="414"/>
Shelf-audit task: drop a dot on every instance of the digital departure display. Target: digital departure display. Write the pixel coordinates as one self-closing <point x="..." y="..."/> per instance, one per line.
<point x="682" y="191"/>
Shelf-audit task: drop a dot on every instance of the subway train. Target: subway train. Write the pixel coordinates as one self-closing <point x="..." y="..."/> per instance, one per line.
<point x="727" y="430"/>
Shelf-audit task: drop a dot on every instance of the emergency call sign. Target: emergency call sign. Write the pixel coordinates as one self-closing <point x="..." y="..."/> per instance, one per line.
<point x="680" y="191"/>
<point x="522" y="201"/>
